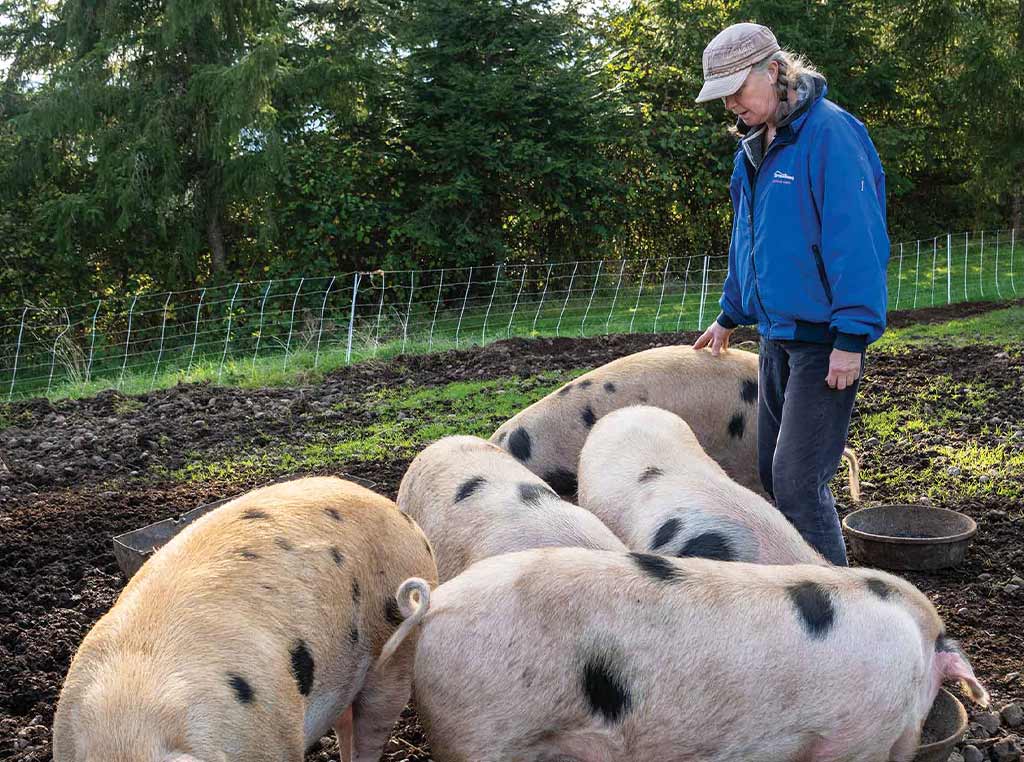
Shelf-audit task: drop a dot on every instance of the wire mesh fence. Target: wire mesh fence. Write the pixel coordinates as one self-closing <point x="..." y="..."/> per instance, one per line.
<point x="228" y="332"/>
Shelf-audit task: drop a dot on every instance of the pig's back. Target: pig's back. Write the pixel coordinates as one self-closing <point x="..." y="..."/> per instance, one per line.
<point x="635" y="642"/>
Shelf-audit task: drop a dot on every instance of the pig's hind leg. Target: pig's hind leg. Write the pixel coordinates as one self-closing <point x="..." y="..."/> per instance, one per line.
<point x="378" y="706"/>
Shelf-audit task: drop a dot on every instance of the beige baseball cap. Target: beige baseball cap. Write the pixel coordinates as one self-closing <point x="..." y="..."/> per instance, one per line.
<point x="729" y="58"/>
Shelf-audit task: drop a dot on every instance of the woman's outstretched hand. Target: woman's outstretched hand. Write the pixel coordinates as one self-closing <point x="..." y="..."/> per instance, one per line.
<point x="715" y="337"/>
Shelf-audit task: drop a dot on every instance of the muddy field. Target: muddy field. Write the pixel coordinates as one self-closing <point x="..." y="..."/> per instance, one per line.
<point x="73" y="474"/>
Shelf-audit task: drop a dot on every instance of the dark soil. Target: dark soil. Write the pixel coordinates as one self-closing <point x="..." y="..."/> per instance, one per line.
<point x="75" y="473"/>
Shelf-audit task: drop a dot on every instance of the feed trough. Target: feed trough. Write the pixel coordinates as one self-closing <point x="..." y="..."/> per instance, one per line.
<point x="943" y="728"/>
<point x="909" y="537"/>
<point x="133" y="548"/>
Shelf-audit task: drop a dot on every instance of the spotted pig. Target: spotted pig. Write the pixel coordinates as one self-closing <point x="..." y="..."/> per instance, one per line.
<point x="580" y="655"/>
<point x="717" y="396"/>
<point x="255" y="631"/>
<point x="645" y="475"/>
<point x="474" y="500"/>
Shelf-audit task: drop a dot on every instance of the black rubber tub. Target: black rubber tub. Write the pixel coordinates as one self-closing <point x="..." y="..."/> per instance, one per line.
<point x="909" y="537"/>
<point x="945" y="726"/>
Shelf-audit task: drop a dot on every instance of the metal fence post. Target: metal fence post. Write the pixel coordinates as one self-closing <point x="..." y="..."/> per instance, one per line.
<point x="661" y="298"/>
<point x="572" y="279"/>
<point x="259" y="331"/>
<point x="899" y="278"/>
<point x="352" y="317"/>
<point x="639" y="293"/>
<point x="17" y="353"/>
<point x="497" y="275"/>
<point x="981" y="265"/>
<point x="917" y="272"/>
<point x="291" y="323"/>
<point x="320" y="332"/>
<point x="462" y="312"/>
<point x="600" y="264"/>
<point x="615" y="296"/>
<point x="703" y="294"/>
<point x="430" y="338"/>
<point x="195" y="332"/>
<point x="53" y="352"/>
<point x="227" y="335"/>
<point x="967" y="240"/>
<point x="540" y="304"/>
<point x="92" y="341"/>
<point x="408" y="311"/>
<point x="949" y="268"/>
<point x="127" y="341"/>
<point x="935" y="255"/>
<point x="160" y="353"/>
<point x="682" y="302"/>
<point x="999" y="292"/>
<point x="522" y="282"/>
<point x="380" y="312"/>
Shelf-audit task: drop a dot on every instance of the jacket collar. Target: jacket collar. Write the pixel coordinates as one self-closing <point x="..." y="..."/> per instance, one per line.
<point x="810" y="89"/>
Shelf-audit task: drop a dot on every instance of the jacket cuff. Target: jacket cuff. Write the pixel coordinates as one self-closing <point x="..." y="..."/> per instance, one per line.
<point x="726" y="322"/>
<point x="850" y="342"/>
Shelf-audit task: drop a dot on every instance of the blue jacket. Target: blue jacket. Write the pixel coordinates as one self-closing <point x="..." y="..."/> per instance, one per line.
<point x="809" y="248"/>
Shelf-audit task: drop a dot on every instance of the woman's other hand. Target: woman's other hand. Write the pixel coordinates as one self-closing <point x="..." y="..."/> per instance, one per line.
<point x="716" y="337"/>
<point x="843" y="368"/>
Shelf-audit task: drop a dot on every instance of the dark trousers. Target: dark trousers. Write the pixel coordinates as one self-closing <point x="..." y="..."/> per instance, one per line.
<point x="801" y="432"/>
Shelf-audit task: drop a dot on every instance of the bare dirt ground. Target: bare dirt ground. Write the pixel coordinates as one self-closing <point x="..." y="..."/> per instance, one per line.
<point x="75" y="473"/>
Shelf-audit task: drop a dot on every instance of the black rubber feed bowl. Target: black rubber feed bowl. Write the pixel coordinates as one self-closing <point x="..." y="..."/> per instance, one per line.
<point x="910" y="537"/>
<point x="943" y="729"/>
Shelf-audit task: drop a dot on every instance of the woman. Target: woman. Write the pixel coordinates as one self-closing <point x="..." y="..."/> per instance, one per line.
<point x="807" y="263"/>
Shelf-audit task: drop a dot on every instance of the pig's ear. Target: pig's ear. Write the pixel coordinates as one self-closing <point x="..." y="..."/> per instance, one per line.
<point x="955" y="667"/>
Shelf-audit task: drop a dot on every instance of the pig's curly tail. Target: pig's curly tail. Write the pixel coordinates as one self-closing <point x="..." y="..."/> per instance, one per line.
<point x="412" y="612"/>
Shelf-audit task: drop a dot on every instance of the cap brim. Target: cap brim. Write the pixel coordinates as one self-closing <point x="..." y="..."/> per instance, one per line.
<point x="720" y="87"/>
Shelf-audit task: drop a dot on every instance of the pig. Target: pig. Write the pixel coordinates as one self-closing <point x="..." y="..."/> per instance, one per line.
<point x="645" y="475"/>
<point x="474" y="500"/>
<point x="255" y="631"/>
<point x="581" y="655"/>
<point x="717" y="396"/>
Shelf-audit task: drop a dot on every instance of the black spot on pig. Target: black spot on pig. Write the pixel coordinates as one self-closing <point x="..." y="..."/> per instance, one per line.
<point x="243" y="691"/>
<point x="501" y="437"/>
<point x="356" y="594"/>
<point x="708" y="545"/>
<point x="519" y="444"/>
<point x="586" y="384"/>
<point x="588" y="417"/>
<point x="391" y="611"/>
<point x="609" y="387"/>
<point x="248" y="555"/>
<point x="468" y="487"/>
<point x="353" y="634"/>
<point x="564" y="390"/>
<point x="649" y="473"/>
<point x="302" y="667"/>
<point x="562" y="481"/>
<point x="666" y="533"/>
<point x="813" y="604"/>
<point x="333" y="513"/>
<point x="736" y="426"/>
<point x="748" y="391"/>
<point x="532" y="493"/>
<point x="945" y="644"/>
<point x="283" y="544"/>
<point x="880" y="588"/>
<point x="605" y="690"/>
<point x="657" y="567"/>
<point x="253" y="515"/>
<point x="337" y="555"/>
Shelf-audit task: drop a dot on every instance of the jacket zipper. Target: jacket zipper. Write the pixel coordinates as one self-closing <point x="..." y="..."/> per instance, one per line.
<point x="822" y="275"/>
<point x="753" y="203"/>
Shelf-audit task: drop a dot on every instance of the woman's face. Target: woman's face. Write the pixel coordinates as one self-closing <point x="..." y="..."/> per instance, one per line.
<point x="756" y="101"/>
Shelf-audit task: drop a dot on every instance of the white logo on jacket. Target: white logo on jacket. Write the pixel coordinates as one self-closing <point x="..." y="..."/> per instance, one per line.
<point x="782" y="177"/>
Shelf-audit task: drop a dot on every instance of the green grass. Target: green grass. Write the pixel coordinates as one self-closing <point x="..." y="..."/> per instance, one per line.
<point x="405" y="421"/>
<point x="1001" y="327"/>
